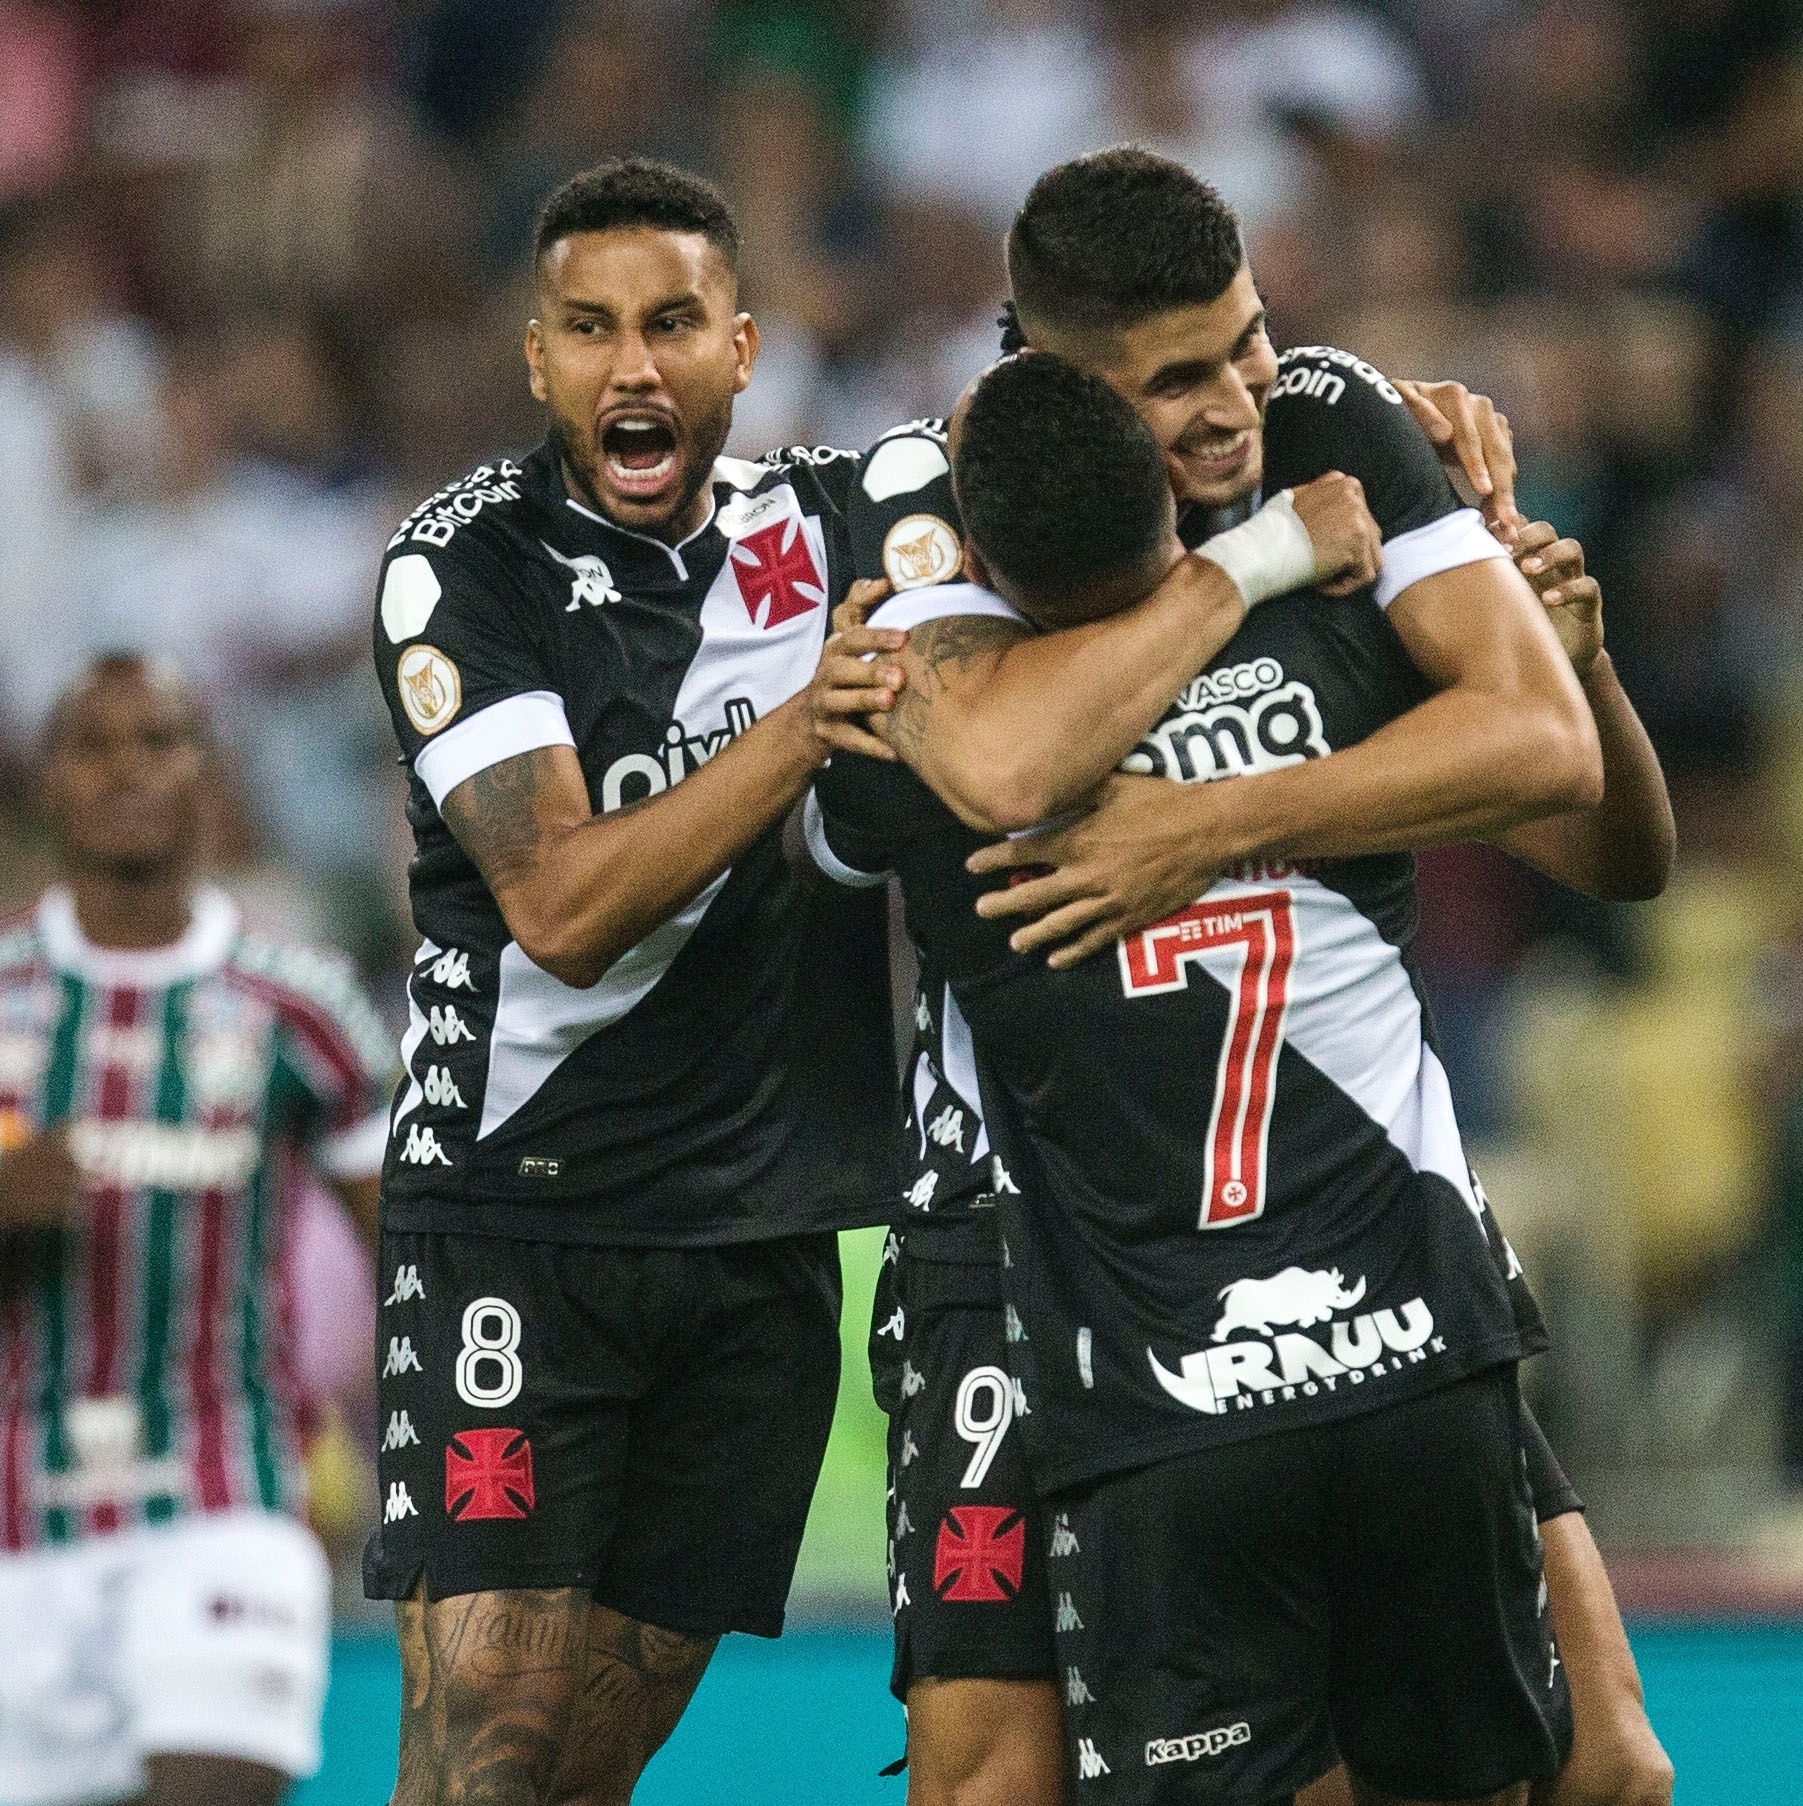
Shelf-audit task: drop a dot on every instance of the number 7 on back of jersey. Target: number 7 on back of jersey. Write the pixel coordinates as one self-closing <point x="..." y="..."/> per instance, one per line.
<point x="1258" y="935"/>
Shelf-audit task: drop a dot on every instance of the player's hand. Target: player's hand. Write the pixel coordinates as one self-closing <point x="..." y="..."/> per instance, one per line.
<point x="1572" y="598"/>
<point x="1120" y="868"/>
<point x="857" y="677"/>
<point x="38" y="1181"/>
<point x="1347" y="541"/>
<point x="1474" y="441"/>
<point x="860" y="599"/>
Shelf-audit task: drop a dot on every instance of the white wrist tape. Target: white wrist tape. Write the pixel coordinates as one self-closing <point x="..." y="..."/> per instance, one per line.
<point x="1269" y="555"/>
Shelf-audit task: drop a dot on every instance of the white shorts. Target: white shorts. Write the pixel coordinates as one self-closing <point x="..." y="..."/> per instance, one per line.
<point x="209" y="1636"/>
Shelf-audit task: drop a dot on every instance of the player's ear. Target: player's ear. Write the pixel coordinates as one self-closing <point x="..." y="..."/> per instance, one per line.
<point x="535" y="359"/>
<point x="745" y="340"/>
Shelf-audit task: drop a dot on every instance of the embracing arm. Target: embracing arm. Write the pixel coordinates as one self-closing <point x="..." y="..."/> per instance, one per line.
<point x="1507" y="737"/>
<point x="579" y="889"/>
<point x="1012" y="728"/>
<point x="1621" y="851"/>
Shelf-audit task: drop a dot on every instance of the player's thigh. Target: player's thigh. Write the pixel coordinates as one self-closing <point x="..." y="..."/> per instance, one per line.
<point x="507" y="1378"/>
<point x="986" y="1743"/>
<point x="65" y="1709"/>
<point x="1444" y="1680"/>
<point x="1192" y="1628"/>
<point x="968" y="1542"/>
<point x="725" y="1446"/>
<point x="227" y="1642"/>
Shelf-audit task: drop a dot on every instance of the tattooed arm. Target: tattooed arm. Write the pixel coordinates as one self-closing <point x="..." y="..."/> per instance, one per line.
<point x="580" y="889"/>
<point x="1010" y="727"/>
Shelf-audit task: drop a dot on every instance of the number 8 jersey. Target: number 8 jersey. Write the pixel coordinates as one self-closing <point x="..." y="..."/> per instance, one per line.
<point x="1231" y="1185"/>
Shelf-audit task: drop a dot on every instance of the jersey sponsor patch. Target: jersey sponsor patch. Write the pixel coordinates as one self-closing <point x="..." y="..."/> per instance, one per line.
<point x="921" y="550"/>
<point x="431" y="688"/>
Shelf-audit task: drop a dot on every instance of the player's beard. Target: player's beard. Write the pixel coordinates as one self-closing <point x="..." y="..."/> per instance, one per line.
<point x="698" y="445"/>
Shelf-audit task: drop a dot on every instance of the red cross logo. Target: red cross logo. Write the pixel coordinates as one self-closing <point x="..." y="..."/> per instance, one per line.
<point x="981" y="1550"/>
<point x="775" y="566"/>
<point x="487" y="1474"/>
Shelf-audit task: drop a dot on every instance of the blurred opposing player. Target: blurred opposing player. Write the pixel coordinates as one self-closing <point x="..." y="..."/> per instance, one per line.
<point x="165" y="1075"/>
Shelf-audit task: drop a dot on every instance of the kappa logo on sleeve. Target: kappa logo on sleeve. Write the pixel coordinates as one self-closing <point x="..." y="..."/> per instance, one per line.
<point x="488" y="1474"/>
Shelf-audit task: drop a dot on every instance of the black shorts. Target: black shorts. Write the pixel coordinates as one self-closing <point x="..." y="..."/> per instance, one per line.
<point x="643" y="1423"/>
<point x="967" y="1538"/>
<point x="1228" y="1620"/>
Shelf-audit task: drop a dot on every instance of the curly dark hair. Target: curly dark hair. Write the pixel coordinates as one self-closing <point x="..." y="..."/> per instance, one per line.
<point x="637" y="191"/>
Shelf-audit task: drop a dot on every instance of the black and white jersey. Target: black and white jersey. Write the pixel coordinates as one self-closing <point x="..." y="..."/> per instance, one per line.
<point x="1231" y="1186"/>
<point x="719" y="1082"/>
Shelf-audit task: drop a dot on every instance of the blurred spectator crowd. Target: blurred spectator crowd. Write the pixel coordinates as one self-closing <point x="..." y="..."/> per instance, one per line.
<point x="262" y="285"/>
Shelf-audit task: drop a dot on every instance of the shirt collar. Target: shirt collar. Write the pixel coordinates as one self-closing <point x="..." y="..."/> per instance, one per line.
<point x="202" y="947"/>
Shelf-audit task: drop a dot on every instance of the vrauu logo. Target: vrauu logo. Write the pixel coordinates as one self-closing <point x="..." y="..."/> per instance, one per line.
<point x="1290" y="1365"/>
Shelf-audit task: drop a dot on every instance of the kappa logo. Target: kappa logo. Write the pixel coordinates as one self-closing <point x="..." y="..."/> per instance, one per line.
<point x="777" y="577"/>
<point x="1288" y="1365"/>
<point x="447" y="1027"/>
<point x="1015" y="1330"/>
<point x="980" y="1554"/>
<point x="590" y="581"/>
<point x="400" y="1503"/>
<point x="1198" y="1746"/>
<point x="912" y="1380"/>
<point x="910" y="1450"/>
<point x="1066" y="1617"/>
<point x="891" y="1249"/>
<point x="407" y="1285"/>
<point x="401" y="1358"/>
<point x="1089" y="1760"/>
<point x="897" y="1322"/>
<point x="947" y="1129"/>
<point x="1076" y="1689"/>
<point x="1064" y="1538"/>
<point x="488" y="1474"/>
<point x="400" y="1433"/>
<point x="1296" y="1295"/>
<point x="452" y="970"/>
<point x="999" y="1181"/>
<point x="901" y="1597"/>
<point x="923" y="1016"/>
<point x="424" y="1148"/>
<point x="920" y="1193"/>
<point x="440" y="1088"/>
<point x="904" y="1525"/>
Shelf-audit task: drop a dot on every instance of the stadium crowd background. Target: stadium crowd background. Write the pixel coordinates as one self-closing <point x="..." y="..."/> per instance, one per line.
<point x="262" y="288"/>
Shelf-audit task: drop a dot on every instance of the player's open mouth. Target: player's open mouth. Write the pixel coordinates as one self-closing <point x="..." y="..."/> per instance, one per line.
<point x="639" y="451"/>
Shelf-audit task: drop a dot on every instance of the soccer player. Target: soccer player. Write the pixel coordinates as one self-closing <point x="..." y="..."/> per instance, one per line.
<point x="632" y="1121"/>
<point x="1211" y="713"/>
<point x="165" y="1076"/>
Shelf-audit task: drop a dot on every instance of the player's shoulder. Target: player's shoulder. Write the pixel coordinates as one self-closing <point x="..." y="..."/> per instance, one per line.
<point x="1325" y="375"/>
<point x="315" y="987"/>
<point x="821" y="475"/>
<point x="480" y="506"/>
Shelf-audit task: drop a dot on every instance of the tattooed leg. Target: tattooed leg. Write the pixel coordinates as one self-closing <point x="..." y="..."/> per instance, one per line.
<point x="636" y="1682"/>
<point x="487" y="1684"/>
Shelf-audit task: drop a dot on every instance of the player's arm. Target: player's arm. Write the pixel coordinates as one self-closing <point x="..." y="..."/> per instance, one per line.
<point x="579" y="889"/>
<point x="1622" y="849"/>
<point x="1012" y="727"/>
<point x="38" y="1187"/>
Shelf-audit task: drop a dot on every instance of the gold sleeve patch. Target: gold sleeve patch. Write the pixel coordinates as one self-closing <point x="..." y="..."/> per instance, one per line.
<point x="431" y="688"/>
<point x="920" y="550"/>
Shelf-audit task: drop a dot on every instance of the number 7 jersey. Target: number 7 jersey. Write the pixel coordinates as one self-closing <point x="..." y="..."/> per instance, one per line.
<point x="1231" y="1186"/>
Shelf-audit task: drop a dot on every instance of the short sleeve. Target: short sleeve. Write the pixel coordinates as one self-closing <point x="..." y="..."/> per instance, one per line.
<point x="904" y="521"/>
<point x="1329" y="410"/>
<point x="460" y="658"/>
<point x="340" y="1059"/>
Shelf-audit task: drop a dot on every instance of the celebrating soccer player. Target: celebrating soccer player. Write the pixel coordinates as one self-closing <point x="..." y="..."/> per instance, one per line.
<point x="1124" y="247"/>
<point x="164" y="1073"/>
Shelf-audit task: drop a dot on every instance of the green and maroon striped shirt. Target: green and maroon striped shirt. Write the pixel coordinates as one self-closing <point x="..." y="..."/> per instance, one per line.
<point x="148" y="1372"/>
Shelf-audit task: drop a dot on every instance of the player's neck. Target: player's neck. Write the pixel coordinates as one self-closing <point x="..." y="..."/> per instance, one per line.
<point x="684" y="524"/>
<point x="131" y="913"/>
